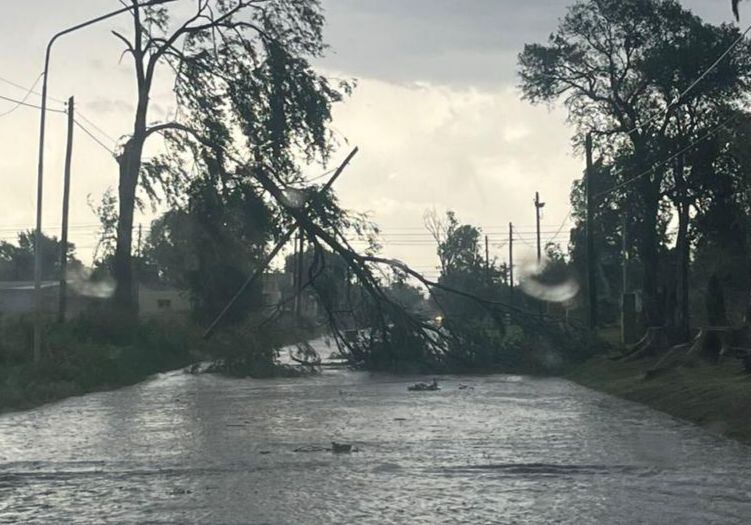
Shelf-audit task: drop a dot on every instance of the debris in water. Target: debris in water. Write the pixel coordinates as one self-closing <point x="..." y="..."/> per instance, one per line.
<point x="339" y="448"/>
<point x="336" y="448"/>
<point x="424" y="387"/>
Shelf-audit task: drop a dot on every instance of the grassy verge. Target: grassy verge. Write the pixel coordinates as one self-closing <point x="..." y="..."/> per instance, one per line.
<point x="87" y="355"/>
<point x="717" y="397"/>
<point x="100" y="353"/>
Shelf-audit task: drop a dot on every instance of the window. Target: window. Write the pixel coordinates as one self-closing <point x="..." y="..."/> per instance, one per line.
<point x="164" y="304"/>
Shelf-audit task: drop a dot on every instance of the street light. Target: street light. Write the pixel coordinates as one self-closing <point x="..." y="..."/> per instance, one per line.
<point x="40" y="170"/>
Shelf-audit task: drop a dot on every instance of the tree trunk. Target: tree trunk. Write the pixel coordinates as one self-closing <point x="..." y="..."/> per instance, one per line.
<point x="130" y="165"/>
<point x="129" y="169"/>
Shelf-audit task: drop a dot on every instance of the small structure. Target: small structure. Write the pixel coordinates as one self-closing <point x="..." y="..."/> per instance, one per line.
<point x="162" y="302"/>
<point x="274" y="285"/>
<point x="17" y="298"/>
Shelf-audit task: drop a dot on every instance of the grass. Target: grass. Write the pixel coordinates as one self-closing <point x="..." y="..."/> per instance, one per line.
<point x="86" y="355"/>
<point x="102" y="352"/>
<point x="717" y="397"/>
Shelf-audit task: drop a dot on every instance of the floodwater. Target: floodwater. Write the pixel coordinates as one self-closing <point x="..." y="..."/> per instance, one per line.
<point x="205" y="449"/>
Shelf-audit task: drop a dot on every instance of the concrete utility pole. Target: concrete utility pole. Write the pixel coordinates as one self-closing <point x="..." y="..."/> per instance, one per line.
<point x="274" y="252"/>
<point x="591" y="255"/>
<point x="538" y="206"/>
<point x="628" y="300"/>
<point x="140" y="232"/>
<point x="511" y="259"/>
<point x="299" y="270"/>
<point x="487" y="260"/>
<point x="63" y="298"/>
<point x="40" y="163"/>
<point x="138" y="267"/>
<point x="624" y="248"/>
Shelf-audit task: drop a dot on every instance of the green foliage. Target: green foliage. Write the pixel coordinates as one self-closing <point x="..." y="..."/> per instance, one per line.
<point x="623" y="68"/>
<point x="242" y="351"/>
<point x="210" y="247"/>
<point x="89" y="353"/>
<point x="17" y="261"/>
<point x="101" y="350"/>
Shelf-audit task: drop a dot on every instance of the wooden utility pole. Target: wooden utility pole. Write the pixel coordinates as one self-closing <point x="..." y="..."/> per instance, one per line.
<point x="591" y="255"/>
<point x="63" y="297"/>
<point x="538" y="206"/>
<point x="511" y="259"/>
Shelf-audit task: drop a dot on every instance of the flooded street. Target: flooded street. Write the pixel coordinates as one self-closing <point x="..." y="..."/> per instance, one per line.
<point x="205" y="449"/>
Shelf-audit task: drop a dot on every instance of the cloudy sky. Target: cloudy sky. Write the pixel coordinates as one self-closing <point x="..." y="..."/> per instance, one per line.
<point x="436" y="114"/>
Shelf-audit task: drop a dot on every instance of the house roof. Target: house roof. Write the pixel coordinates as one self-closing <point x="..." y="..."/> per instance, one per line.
<point x="26" y="285"/>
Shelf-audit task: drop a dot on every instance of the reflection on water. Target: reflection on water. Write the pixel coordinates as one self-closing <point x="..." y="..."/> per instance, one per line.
<point x="204" y="449"/>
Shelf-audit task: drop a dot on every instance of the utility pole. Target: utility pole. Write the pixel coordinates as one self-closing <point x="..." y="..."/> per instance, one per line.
<point x="40" y="165"/>
<point x="487" y="260"/>
<point x="139" y="266"/>
<point x="591" y="255"/>
<point x="273" y="253"/>
<point x="538" y="206"/>
<point x="63" y="297"/>
<point x="628" y="300"/>
<point x="624" y="248"/>
<point x="511" y="259"/>
<point x="300" y="270"/>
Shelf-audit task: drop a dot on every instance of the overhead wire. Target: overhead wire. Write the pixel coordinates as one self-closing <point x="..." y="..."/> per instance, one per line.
<point x="94" y="138"/>
<point x="30" y="105"/>
<point x="24" y="99"/>
<point x="693" y="85"/>
<point x="19" y="86"/>
<point x="674" y="156"/>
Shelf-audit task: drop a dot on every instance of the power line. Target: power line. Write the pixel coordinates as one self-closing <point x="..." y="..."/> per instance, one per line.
<point x="93" y="125"/>
<point x="30" y="91"/>
<point x="23" y="100"/>
<point x="94" y="138"/>
<point x="19" y="86"/>
<point x="30" y="105"/>
<point x="695" y="83"/>
<point x="563" y="224"/>
<point x="664" y="161"/>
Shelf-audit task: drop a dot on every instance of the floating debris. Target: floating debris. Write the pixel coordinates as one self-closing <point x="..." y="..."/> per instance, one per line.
<point x="336" y="448"/>
<point x="424" y="387"/>
<point x="340" y="448"/>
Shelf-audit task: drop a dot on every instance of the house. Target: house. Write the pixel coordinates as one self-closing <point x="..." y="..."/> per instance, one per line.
<point x="162" y="302"/>
<point x="273" y="287"/>
<point x="17" y="298"/>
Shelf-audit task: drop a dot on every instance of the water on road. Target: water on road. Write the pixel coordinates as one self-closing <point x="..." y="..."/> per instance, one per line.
<point x="205" y="449"/>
